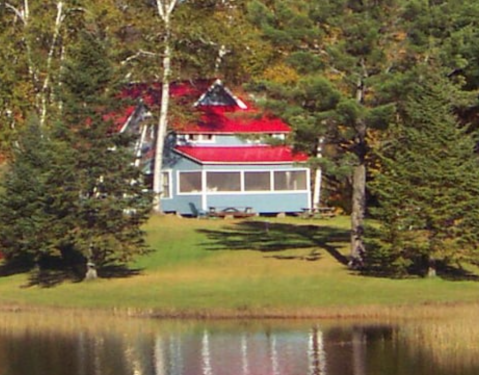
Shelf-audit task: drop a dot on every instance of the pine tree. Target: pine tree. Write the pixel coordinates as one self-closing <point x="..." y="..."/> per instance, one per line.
<point x="427" y="188"/>
<point x="72" y="191"/>
<point x="333" y="63"/>
<point x="24" y="205"/>
<point x="112" y="203"/>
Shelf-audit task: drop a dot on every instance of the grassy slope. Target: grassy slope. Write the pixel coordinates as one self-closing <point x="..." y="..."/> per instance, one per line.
<point x="288" y="266"/>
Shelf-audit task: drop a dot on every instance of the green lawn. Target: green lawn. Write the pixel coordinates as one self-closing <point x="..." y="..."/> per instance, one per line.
<point x="285" y="266"/>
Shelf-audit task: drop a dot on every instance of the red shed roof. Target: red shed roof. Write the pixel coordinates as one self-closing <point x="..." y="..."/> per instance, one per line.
<point x="242" y="154"/>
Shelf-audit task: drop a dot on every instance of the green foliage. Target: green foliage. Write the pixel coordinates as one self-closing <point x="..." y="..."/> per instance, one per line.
<point x="112" y="203"/>
<point x="427" y="189"/>
<point x="72" y="191"/>
<point x="29" y="213"/>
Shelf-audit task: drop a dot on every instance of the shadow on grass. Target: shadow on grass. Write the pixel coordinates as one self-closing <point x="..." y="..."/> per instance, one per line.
<point x="455" y="273"/>
<point x="13" y="268"/>
<point x="55" y="271"/>
<point x="384" y="263"/>
<point x="274" y="238"/>
<point x="117" y="271"/>
<point x="47" y="278"/>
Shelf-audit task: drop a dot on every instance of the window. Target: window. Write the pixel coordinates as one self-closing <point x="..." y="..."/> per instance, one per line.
<point x="166" y="180"/>
<point x="190" y="182"/>
<point x="217" y="95"/>
<point x="223" y="181"/>
<point x="290" y="180"/>
<point x="257" y="181"/>
<point x="193" y="137"/>
<point x="208" y="138"/>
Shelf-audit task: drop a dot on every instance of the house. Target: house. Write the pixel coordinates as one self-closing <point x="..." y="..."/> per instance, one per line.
<point x="222" y="157"/>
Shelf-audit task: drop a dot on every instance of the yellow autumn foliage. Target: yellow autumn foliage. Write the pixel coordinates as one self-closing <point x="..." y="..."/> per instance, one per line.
<point x="281" y="73"/>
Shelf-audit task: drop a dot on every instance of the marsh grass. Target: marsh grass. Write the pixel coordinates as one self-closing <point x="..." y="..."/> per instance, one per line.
<point x="452" y="343"/>
<point x="259" y="268"/>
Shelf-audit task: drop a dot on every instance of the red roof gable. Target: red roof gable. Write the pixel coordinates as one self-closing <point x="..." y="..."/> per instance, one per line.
<point x="242" y="154"/>
<point x="224" y="119"/>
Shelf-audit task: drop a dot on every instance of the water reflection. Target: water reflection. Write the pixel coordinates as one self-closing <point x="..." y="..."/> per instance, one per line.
<point x="280" y="348"/>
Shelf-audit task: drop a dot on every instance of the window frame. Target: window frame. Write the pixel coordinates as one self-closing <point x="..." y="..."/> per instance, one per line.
<point x="294" y="171"/>
<point x="272" y="190"/>
<point x="196" y="192"/>
<point x="167" y="172"/>
<point x="236" y="172"/>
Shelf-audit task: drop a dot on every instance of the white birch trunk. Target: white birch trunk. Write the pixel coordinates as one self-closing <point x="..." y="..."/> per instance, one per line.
<point x="24" y="16"/>
<point x="35" y="71"/>
<point x="46" y="82"/>
<point x="317" y="176"/>
<point x="165" y="9"/>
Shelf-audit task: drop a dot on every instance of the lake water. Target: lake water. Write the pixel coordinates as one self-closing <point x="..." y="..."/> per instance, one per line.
<point x="54" y="344"/>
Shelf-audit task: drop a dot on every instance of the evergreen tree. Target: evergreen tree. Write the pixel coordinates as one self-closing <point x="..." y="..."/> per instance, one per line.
<point x="72" y="191"/>
<point x="334" y="61"/>
<point x="28" y="215"/>
<point x="427" y="188"/>
<point x="111" y="201"/>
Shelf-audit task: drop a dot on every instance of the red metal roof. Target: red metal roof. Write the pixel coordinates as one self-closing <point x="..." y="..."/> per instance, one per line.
<point x="226" y="121"/>
<point x="242" y="154"/>
<point x="150" y="93"/>
<point x="211" y="119"/>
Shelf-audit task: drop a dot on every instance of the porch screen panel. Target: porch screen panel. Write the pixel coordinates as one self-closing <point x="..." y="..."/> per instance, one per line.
<point x="190" y="182"/>
<point x="223" y="181"/>
<point x="290" y="180"/>
<point x="257" y="181"/>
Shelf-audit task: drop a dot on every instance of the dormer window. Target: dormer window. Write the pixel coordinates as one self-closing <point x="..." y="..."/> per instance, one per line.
<point x="206" y="138"/>
<point x="218" y="95"/>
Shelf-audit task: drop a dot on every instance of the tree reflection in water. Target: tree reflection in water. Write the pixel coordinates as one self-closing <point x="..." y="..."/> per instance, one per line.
<point x="228" y="348"/>
<point x="316" y="352"/>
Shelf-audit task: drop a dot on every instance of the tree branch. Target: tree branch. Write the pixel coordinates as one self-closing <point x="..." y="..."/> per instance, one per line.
<point x="19" y="13"/>
<point x="138" y="54"/>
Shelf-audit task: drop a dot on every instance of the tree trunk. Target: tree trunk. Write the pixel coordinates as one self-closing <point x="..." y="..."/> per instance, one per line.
<point x="161" y="131"/>
<point x="431" y="268"/>
<point x="358" y="208"/>
<point x="357" y="216"/>
<point x="46" y="83"/>
<point x="91" y="273"/>
<point x="318" y="175"/>
<point x="165" y="9"/>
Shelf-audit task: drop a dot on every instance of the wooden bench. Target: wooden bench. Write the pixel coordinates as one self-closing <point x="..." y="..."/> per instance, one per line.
<point x="230" y="211"/>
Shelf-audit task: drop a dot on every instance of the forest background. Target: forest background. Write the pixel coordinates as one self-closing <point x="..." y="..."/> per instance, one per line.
<point x="387" y="90"/>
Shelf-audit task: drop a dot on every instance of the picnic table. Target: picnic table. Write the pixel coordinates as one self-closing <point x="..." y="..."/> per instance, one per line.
<point x="319" y="212"/>
<point x="231" y="211"/>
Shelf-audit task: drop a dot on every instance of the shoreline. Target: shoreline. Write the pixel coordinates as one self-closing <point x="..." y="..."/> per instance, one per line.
<point x="400" y="312"/>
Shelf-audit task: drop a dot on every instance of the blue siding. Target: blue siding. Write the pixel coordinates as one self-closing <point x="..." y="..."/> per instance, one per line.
<point x="261" y="202"/>
<point x="183" y="204"/>
<point x="219" y="140"/>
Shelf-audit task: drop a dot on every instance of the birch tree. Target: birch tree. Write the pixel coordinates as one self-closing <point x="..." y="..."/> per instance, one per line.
<point x="38" y="28"/>
<point x="204" y="27"/>
<point x="165" y="10"/>
<point x="34" y="37"/>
